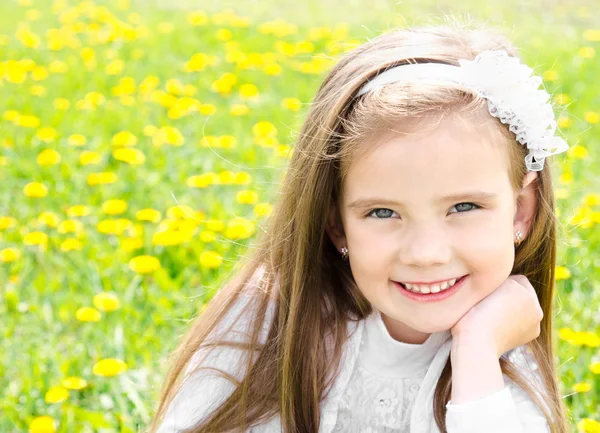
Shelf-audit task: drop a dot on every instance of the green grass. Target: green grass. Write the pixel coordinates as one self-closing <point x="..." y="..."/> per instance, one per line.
<point x="43" y="342"/>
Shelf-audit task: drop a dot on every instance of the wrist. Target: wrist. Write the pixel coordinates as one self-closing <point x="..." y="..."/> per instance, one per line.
<point x="474" y="342"/>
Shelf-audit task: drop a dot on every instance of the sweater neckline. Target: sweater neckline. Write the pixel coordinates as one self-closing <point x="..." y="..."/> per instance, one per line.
<point x="383" y="356"/>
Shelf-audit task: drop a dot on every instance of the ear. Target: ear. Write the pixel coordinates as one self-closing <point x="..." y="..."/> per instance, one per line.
<point x="334" y="228"/>
<point x="526" y="204"/>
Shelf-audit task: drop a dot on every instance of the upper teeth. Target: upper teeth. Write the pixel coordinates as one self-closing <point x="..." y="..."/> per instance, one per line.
<point x="430" y="288"/>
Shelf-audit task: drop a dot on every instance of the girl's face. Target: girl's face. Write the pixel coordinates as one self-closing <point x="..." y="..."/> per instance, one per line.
<point x="427" y="208"/>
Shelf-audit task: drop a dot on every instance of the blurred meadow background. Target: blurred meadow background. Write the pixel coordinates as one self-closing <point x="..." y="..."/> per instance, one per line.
<point x="141" y="145"/>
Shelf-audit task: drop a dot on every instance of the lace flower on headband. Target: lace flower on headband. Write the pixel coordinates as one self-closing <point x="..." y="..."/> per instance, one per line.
<point x="510" y="89"/>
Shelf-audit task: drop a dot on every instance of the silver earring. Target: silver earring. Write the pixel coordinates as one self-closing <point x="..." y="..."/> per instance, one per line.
<point x="518" y="237"/>
<point x="344" y="252"/>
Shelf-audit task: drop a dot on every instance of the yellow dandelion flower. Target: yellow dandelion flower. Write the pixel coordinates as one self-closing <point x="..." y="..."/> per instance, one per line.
<point x="180" y="212"/>
<point x="263" y="209"/>
<point x="243" y="178"/>
<point x="224" y="34"/>
<point x="248" y="91"/>
<point x="109" y="367"/>
<point x="70" y="226"/>
<point x="113" y="226"/>
<point x="114" y="206"/>
<point x="550" y="75"/>
<point x="591" y="200"/>
<point x="293" y="104"/>
<point x="210" y="259"/>
<point x="35" y="190"/>
<point x="77" y="140"/>
<point x="591" y="117"/>
<point x="577" y="152"/>
<point x="115" y="67"/>
<point x="264" y="129"/>
<point x="227" y="141"/>
<point x="47" y="218"/>
<point x="590" y="339"/>
<point x="35" y="238"/>
<point x="144" y="264"/>
<point x="226" y="177"/>
<point x="562" y="273"/>
<point x="564" y="122"/>
<point x="207" y="109"/>
<point x="208" y="236"/>
<point x="148" y="214"/>
<point x="7" y="222"/>
<point x="283" y="151"/>
<point x="562" y="99"/>
<point x="42" y="424"/>
<point x="586" y="52"/>
<point x="595" y="367"/>
<point x="48" y="157"/>
<point x="197" y="18"/>
<point x="9" y="255"/>
<point x="566" y="334"/>
<point x="239" y="228"/>
<point x="272" y="69"/>
<point x="74" y="382"/>
<point x="88" y="314"/>
<point x="566" y="177"/>
<point x="130" y="156"/>
<point x="88" y="157"/>
<point x="78" y="210"/>
<point x="46" y="134"/>
<point x="27" y="121"/>
<point x="56" y="394"/>
<point x="582" y="387"/>
<point x="107" y="301"/>
<point x="71" y="245"/>
<point x="131" y="244"/>
<point x="588" y="425"/>
<point x="101" y="178"/>
<point x="239" y="110"/>
<point x="203" y="180"/>
<point x="246" y="197"/>
<point x="215" y="225"/>
<point x="61" y="104"/>
<point x="170" y="135"/>
<point x="124" y="138"/>
<point x="170" y="237"/>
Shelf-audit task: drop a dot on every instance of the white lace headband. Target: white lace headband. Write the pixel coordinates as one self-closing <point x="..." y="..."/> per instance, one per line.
<point x="510" y="89"/>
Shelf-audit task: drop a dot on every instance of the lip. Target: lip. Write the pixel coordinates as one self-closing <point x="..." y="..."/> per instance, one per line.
<point x="432" y="297"/>
<point x="429" y="283"/>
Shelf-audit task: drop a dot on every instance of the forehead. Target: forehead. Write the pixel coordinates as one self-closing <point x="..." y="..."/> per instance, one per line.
<point x="452" y="157"/>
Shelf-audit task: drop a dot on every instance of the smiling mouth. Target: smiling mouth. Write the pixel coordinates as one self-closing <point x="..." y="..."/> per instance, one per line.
<point x="431" y="288"/>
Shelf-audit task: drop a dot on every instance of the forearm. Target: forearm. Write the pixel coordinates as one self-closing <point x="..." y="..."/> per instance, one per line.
<point x="476" y="371"/>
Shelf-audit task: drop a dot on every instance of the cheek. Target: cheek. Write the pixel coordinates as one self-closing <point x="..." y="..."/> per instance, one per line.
<point x="371" y="252"/>
<point x="491" y="255"/>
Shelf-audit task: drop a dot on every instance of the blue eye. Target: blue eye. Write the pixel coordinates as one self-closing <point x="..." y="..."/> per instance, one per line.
<point x="386" y="214"/>
<point x="473" y="205"/>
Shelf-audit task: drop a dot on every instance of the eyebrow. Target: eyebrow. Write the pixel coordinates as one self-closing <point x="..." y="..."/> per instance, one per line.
<point x="474" y="196"/>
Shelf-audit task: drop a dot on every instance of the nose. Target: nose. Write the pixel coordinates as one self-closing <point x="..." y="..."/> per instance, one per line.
<point x="425" y="246"/>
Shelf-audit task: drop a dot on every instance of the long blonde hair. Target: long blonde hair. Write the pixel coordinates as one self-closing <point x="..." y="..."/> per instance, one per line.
<point x="302" y="272"/>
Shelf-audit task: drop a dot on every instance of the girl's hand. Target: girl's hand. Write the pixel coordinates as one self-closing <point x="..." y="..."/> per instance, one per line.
<point x="508" y="317"/>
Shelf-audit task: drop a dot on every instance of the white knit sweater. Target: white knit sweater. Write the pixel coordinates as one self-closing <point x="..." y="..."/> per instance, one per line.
<point x="383" y="386"/>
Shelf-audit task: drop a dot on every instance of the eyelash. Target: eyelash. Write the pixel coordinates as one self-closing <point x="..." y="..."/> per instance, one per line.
<point x="368" y="215"/>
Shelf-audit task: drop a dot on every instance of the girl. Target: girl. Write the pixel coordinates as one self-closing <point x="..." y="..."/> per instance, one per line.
<point x="405" y="281"/>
